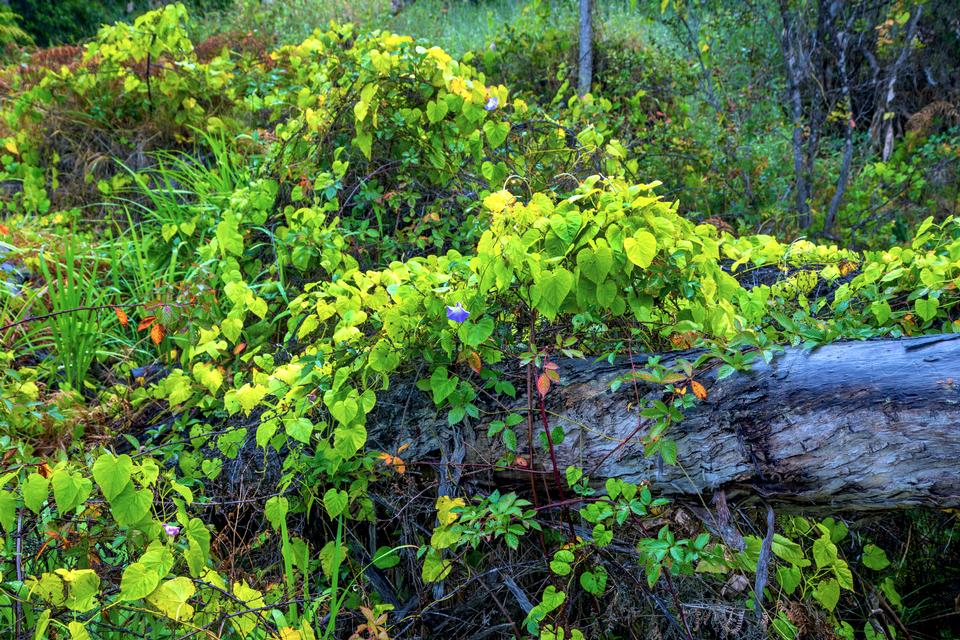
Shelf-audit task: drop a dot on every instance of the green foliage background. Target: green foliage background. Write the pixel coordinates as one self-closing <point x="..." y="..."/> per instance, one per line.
<point x="267" y="238"/>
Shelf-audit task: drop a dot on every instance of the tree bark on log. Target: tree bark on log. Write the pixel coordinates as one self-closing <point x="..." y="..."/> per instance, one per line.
<point x="851" y="426"/>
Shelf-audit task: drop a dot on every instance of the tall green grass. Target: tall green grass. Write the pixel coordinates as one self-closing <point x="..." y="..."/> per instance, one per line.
<point x="73" y="320"/>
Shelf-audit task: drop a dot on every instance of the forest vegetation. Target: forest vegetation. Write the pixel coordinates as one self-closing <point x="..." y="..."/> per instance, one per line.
<point x="475" y="319"/>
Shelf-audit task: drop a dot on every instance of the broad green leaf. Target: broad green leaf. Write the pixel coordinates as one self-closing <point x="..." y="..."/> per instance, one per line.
<point x="789" y="578"/>
<point x="231" y="328"/>
<point x="474" y="333"/>
<point x="436" y="111"/>
<point x="435" y="568"/>
<point x="386" y="558"/>
<point x="112" y="474"/>
<point x="208" y="375"/>
<point x="276" y="511"/>
<point x="299" y="429"/>
<point x="595" y="581"/>
<point x="348" y="439"/>
<point x="82" y="588"/>
<point x="788" y="550"/>
<point x="249" y="396"/>
<point x="70" y="490"/>
<point x="549" y="293"/>
<point x="566" y="226"/>
<point x="335" y="502"/>
<point x="158" y="558"/>
<point x="785" y="629"/>
<point x="824" y="552"/>
<point x="331" y="557"/>
<point x="132" y="506"/>
<point x="445" y="537"/>
<point x="138" y="581"/>
<point x="496" y="132"/>
<point x="250" y="599"/>
<point x="843" y="574"/>
<point x="170" y="598"/>
<point x="926" y="308"/>
<point x="147" y="472"/>
<point x="498" y="201"/>
<point x="364" y="142"/>
<point x="561" y="562"/>
<point x="881" y="310"/>
<point x="827" y="593"/>
<point x="641" y="248"/>
<point x="595" y="264"/>
<point x="875" y="558"/>
<point x="384" y="357"/>
<point x="41" y="625"/>
<point x="890" y="592"/>
<point x="49" y="587"/>
<point x="8" y="511"/>
<point x="344" y="410"/>
<point x="229" y="237"/>
<point x="35" y="492"/>
<point x="77" y="631"/>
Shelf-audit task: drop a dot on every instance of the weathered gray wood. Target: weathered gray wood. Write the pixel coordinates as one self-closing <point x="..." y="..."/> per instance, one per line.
<point x="868" y="425"/>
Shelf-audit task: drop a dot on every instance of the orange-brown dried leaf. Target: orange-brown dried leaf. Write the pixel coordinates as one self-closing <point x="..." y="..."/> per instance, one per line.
<point x="157" y="333"/>
<point x="846" y="266"/>
<point x="543" y="384"/>
<point x="146" y="322"/>
<point x="473" y="361"/>
<point x="121" y="316"/>
<point x="698" y="390"/>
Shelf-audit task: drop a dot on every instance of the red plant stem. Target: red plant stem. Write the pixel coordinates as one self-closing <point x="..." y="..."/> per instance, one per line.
<point x="556" y="470"/>
<point x="530" y="447"/>
<point x="533" y="484"/>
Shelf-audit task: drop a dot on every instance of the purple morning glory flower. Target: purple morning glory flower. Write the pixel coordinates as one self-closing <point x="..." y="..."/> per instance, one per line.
<point x="171" y="530"/>
<point x="492" y="103"/>
<point x="457" y="313"/>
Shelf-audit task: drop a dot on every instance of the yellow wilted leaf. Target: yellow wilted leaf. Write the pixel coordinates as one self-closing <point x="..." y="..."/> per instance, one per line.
<point x="497" y="202"/>
<point x="445" y="506"/>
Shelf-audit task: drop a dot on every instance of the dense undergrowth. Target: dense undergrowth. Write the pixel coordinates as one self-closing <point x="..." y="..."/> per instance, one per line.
<point x="219" y="254"/>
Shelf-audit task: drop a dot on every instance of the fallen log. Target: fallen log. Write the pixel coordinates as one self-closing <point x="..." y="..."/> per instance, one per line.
<point x="870" y="425"/>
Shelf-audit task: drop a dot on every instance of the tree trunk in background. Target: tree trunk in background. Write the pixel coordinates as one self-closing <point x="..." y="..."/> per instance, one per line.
<point x="842" y="39"/>
<point x="883" y="120"/>
<point x="585" y="59"/>
<point x="857" y="426"/>
<point x="795" y="66"/>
